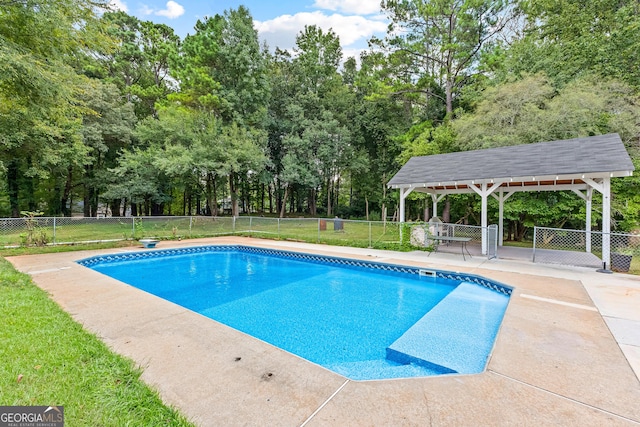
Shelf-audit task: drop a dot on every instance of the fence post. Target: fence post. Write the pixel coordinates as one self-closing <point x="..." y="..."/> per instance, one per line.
<point x="278" y="228"/>
<point x="535" y="237"/>
<point x="234" y="224"/>
<point x="318" y="229"/>
<point x="370" y="244"/>
<point x="190" y="225"/>
<point x="250" y="225"/>
<point x="133" y="227"/>
<point x="54" y="230"/>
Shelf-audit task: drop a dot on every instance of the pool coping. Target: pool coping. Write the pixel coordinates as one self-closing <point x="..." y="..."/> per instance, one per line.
<point x="555" y="357"/>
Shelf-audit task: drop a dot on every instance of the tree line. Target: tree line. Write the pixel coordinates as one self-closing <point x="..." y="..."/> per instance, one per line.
<point x="102" y="108"/>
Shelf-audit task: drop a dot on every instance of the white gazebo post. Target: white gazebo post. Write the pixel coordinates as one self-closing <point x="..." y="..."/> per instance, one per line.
<point x="606" y="222"/>
<point x="604" y="188"/>
<point x="501" y="197"/>
<point x="484" y="191"/>
<point x="435" y="198"/>
<point x="587" y="197"/>
<point x="588" y="219"/>
<point x="485" y="220"/>
<point x="404" y="192"/>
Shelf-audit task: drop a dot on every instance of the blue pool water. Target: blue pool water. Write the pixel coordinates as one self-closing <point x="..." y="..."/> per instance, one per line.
<point x="362" y="320"/>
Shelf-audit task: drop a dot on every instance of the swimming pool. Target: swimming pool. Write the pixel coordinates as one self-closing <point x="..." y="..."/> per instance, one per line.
<point x="363" y="320"/>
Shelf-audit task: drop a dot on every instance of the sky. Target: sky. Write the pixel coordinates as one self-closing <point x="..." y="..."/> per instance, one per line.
<point x="278" y="22"/>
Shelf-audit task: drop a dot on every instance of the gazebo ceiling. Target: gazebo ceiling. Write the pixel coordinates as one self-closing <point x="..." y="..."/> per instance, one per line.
<point x="515" y="184"/>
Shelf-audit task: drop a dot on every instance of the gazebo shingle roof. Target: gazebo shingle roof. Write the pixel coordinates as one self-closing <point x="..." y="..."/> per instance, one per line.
<point x="594" y="154"/>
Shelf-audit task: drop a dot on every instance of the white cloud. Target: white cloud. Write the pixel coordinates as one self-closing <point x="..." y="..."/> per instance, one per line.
<point x="118" y="5"/>
<point x="282" y="31"/>
<point x="358" y="7"/>
<point x="145" y="10"/>
<point x="172" y="11"/>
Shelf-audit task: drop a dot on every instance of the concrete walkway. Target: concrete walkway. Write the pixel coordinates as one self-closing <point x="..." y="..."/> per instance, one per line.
<point x="568" y="352"/>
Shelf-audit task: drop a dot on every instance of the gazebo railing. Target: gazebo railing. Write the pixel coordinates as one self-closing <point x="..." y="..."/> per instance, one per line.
<point x="585" y="248"/>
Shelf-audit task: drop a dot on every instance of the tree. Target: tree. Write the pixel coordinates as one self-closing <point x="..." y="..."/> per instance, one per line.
<point x="40" y="108"/>
<point x="137" y="178"/>
<point x="507" y="114"/>
<point x="308" y="138"/>
<point x="379" y="120"/>
<point x="106" y="131"/>
<point x="223" y="69"/>
<point x="571" y="38"/>
<point x="442" y="40"/>
<point x="188" y="149"/>
<point x="319" y="116"/>
<point x="240" y="68"/>
<point x="546" y="209"/>
<point x="185" y="152"/>
<point x="318" y="55"/>
<point x="140" y="64"/>
<point x="281" y="78"/>
<point x="224" y="74"/>
<point x="531" y="110"/>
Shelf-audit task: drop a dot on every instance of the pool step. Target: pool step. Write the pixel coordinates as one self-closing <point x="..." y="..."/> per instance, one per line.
<point x="457" y="335"/>
<point x="374" y="369"/>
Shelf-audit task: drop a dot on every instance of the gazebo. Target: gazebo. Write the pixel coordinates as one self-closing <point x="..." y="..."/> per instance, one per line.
<point x="580" y="165"/>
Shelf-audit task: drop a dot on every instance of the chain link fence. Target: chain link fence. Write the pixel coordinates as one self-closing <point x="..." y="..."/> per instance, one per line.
<point x="15" y="232"/>
<point x="456" y="230"/>
<point x="584" y="249"/>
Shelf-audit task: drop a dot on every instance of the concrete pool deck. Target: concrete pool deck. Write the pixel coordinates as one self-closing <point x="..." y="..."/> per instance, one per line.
<point x="568" y="352"/>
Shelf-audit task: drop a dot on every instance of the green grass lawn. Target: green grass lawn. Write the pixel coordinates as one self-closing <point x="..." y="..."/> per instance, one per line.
<point x="33" y="250"/>
<point x="48" y="359"/>
<point x="326" y="231"/>
<point x="311" y="230"/>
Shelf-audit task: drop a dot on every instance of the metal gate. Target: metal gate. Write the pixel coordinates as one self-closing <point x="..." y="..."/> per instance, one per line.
<point x="492" y="241"/>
